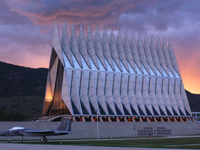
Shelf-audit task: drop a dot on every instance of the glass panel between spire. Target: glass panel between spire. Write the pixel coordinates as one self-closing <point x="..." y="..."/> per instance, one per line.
<point x="151" y="71"/>
<point x="144" y="69"/>
<point x="137" y="69"/>
<point x="76" y="65"/>
<point x="100" y="65"/>
<point x="170" y="73"/>
<point x="176" y="74"/>
<point x="108" y="66"/>
<point x="84" y="63"/>
<point x="92" y="64"/>
<point x="67" y="63"/>
<point x="130" y="68"/>
<point x="157" y="71"/>
<point x="116" y="67"/>
<point x="123" y="68"/>
<point x="164" y="73"/>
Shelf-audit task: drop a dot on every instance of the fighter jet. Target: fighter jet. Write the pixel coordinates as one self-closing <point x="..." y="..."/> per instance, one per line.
<point x="63" y="128"/>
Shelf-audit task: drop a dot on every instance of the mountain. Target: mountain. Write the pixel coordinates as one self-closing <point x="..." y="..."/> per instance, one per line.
<point x="22" y="92"/>
<point x="21" y="81"/>
<point x="194" y="101"/>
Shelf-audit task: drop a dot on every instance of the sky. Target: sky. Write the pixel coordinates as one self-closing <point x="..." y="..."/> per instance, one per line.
<point x="27" y="26"/>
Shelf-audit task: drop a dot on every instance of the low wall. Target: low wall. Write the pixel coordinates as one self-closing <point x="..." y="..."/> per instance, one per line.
<point x="112" y="129"/>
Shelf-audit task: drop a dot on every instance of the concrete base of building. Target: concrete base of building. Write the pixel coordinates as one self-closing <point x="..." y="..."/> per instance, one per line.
<point x="112" y="129"/>
<point x="118" y="118"/>
<point x="127" y="119"/>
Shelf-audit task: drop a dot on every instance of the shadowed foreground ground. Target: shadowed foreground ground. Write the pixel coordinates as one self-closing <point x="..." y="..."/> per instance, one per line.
<point x="6" y="146"/>
<point x="172" y="143"/>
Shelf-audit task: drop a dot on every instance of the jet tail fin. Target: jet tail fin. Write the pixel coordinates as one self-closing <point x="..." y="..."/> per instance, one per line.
<point x="65" y="125"/>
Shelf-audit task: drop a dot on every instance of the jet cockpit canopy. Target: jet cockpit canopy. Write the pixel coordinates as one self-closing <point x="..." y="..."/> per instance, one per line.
<point x="16" y="128"/>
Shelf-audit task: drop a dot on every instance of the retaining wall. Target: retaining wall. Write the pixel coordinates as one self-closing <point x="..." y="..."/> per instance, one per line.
<point x="112" y="129"/>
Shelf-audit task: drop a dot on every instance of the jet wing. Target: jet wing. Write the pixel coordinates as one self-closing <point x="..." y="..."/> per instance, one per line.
<point x="60" y="132"/>
<point x="38" y="132"/>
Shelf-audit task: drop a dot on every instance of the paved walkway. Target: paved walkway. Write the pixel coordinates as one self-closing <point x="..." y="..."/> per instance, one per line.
<point x="36" y="139"/>
<point x="134" y="138"/>
<point x="115" y="139"/>
<point x="11" y="146"/>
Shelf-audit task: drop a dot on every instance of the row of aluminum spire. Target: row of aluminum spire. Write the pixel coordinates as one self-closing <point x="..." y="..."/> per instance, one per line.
<point x="118" y="51"/>
<point x="118" y="77"/>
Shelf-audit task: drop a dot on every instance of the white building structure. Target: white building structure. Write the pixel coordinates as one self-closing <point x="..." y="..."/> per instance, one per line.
<point x="123" y="78"/>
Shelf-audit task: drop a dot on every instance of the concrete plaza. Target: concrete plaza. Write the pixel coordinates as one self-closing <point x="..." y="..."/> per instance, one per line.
<point x="11" y="146"/>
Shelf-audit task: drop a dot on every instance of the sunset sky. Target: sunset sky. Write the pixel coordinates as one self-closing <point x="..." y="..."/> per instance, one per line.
<point x="26" y="27"/>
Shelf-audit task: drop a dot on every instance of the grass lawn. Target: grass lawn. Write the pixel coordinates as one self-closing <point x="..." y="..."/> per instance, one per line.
<point x="182" y="143"/>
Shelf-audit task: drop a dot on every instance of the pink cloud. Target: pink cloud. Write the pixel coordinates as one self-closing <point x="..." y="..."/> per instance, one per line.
<point x="26" y="27"/>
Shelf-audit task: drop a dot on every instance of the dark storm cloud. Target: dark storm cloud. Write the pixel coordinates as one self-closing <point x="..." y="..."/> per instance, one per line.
<point x="9" y="17"/>
<point x="127" y="13"/>
<point x="26" y="26"/>
<point x="160" y="15"/>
